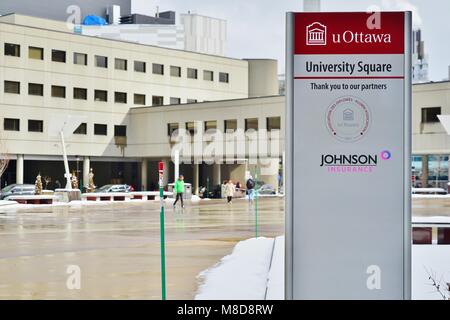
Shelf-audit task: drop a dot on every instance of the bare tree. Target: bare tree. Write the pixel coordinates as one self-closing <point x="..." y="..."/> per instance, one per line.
<point x="439" y="285"/>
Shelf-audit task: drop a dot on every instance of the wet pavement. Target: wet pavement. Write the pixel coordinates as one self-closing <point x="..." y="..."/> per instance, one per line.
<point x="117" y="247"/>
<point x="429" y="207"/>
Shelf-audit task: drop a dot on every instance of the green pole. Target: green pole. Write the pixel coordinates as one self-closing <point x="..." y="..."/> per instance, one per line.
<point x="256" y="203"/>
<point x="163" y="249"/>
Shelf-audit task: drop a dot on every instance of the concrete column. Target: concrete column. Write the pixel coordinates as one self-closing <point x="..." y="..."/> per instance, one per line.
<point x="217" y="179"/>
<point x="284" y="172"/>
<point x="424" y="176"/>
<point x="86" y="168"/>
<point x="19" y="169"/>
<point x="195" y="176"/>
<point x="166" y="178"/>
<point x="144" y="170"/>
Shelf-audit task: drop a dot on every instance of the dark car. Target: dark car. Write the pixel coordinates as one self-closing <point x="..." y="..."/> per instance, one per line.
<point x="114" y="188"/>
<point x="17" y="190"/>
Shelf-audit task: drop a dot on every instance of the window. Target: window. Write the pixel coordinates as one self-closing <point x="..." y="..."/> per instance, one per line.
<point x="190" y="127"/>
<point x="35" y="126"/>
<point x="139" y="99"/>
<point x="230" y="125"/>
<point x="12" y="49"/>
<point x="175" y="71"/>
<point x="120" y="131"/>
<point x="157" y="100"/>
<point x="80" y="58"/>
<point x="430" y="114"/>
<point x="11" y="124"/>
<point x="58" y="91"/>
<point x="100" y="129"/>
<point x="120" y="97"/>
<point x="101" y="95"/>
<point x="251" y="124"/>
<point x="80" y="93"/>
<point x="120" y="64"/>
<point x="174" y="100"/>
<point x="36" y="53"/>
<point x="82" y="129"/>
<point x="208" y="75"/>
<point x="273" y="123"/>
<point x="101" y="61"/>
<point x="210" y="125"/>
<point x="191" y="100"/>
<point x="58" y="56"/>
<point x="192" y="73"/>
<point x="12" y="87"/>
<point x="35" y="89"/>
<point x="139" y="66"/>
<point x="171" y="128"/>
<point x="158" y="68"/>
<point x="224" y="77"/>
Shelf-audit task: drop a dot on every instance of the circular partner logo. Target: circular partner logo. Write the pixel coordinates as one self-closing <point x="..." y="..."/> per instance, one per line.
<point x="385" y="155"/>
<point x="348" y="119"/>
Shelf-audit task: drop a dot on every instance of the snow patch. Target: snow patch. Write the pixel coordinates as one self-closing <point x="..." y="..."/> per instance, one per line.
<point x="242" y="275"/>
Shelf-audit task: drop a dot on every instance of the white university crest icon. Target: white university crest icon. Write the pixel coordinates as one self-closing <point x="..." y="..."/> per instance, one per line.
<point x="316" y="34"/>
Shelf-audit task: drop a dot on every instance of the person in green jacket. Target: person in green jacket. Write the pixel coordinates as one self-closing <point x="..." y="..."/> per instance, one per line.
<point x="179" y="190"/>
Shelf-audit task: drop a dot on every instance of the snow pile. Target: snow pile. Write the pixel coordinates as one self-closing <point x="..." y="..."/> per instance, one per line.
<point x="275" y="285"/>
<point x="429" y="260"/>
<point x="242" y="275"/>
<point x="7" y="202"/>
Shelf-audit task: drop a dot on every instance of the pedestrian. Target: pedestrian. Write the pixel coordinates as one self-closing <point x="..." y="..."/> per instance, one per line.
<point x="229" y="191"/>
<point x="250" y="189"/>
<point x="178" y="189"/>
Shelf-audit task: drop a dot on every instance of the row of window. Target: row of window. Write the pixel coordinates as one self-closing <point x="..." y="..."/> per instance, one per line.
<point x="272" y="123"/>
<point x="37" y="89"/>
<point x="10" y="124"/>
<point x="37" y="53"/>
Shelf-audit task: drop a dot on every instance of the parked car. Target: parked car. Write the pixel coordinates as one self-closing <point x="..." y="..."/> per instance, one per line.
<point x="17" y="190"/>
<point x="267" y="189"/>
<point x="114" y="188"/>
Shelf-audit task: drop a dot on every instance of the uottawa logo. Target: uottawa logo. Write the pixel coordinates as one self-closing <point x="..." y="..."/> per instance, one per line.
<point x="316" y="34"/>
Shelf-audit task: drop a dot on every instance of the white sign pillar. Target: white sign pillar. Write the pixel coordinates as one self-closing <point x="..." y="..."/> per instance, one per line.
<point x="348" y="170"/>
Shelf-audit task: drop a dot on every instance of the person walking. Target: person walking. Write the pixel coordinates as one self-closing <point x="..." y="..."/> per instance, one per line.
<point x="250" y="189"/>
<point x="229" y="191"/>
<point x="178" y="189"/>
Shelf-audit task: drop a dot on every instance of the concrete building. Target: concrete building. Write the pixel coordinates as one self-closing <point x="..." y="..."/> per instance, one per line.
<point x="168" y="36"/>
<point x="419" y="58"/>
<point x="57" y="10"/>
<point x="430" y="141"/>
<point x="194" y="33"/>
<point x="96" y="88"/>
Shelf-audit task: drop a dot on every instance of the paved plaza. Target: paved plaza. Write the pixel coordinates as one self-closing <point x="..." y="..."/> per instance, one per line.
<point x="117" y="247"/>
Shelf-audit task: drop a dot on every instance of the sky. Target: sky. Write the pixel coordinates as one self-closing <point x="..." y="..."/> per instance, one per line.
<point x="256" y="28"/>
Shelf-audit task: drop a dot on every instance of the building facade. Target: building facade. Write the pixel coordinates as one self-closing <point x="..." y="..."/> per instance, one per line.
<point x="52" y="79"/>
<point x="194" y="32"/>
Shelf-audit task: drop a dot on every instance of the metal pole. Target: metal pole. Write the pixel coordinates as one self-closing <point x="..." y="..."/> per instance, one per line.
<point x="256" y="203"/>
<point x="207" y="187"/>
<point x="161" y="226"/>
<point x="66" y="163"/>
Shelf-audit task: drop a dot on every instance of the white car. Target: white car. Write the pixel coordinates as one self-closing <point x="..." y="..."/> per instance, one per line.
<point x="114" y="188"/>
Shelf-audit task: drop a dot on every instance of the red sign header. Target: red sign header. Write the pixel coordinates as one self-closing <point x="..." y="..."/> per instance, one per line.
<point x="349" y="33"/>
<point x="160" y="166"/>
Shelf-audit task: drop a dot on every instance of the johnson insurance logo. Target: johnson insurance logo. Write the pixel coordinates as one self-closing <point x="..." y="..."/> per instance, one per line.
<point x="316" y="34"/>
